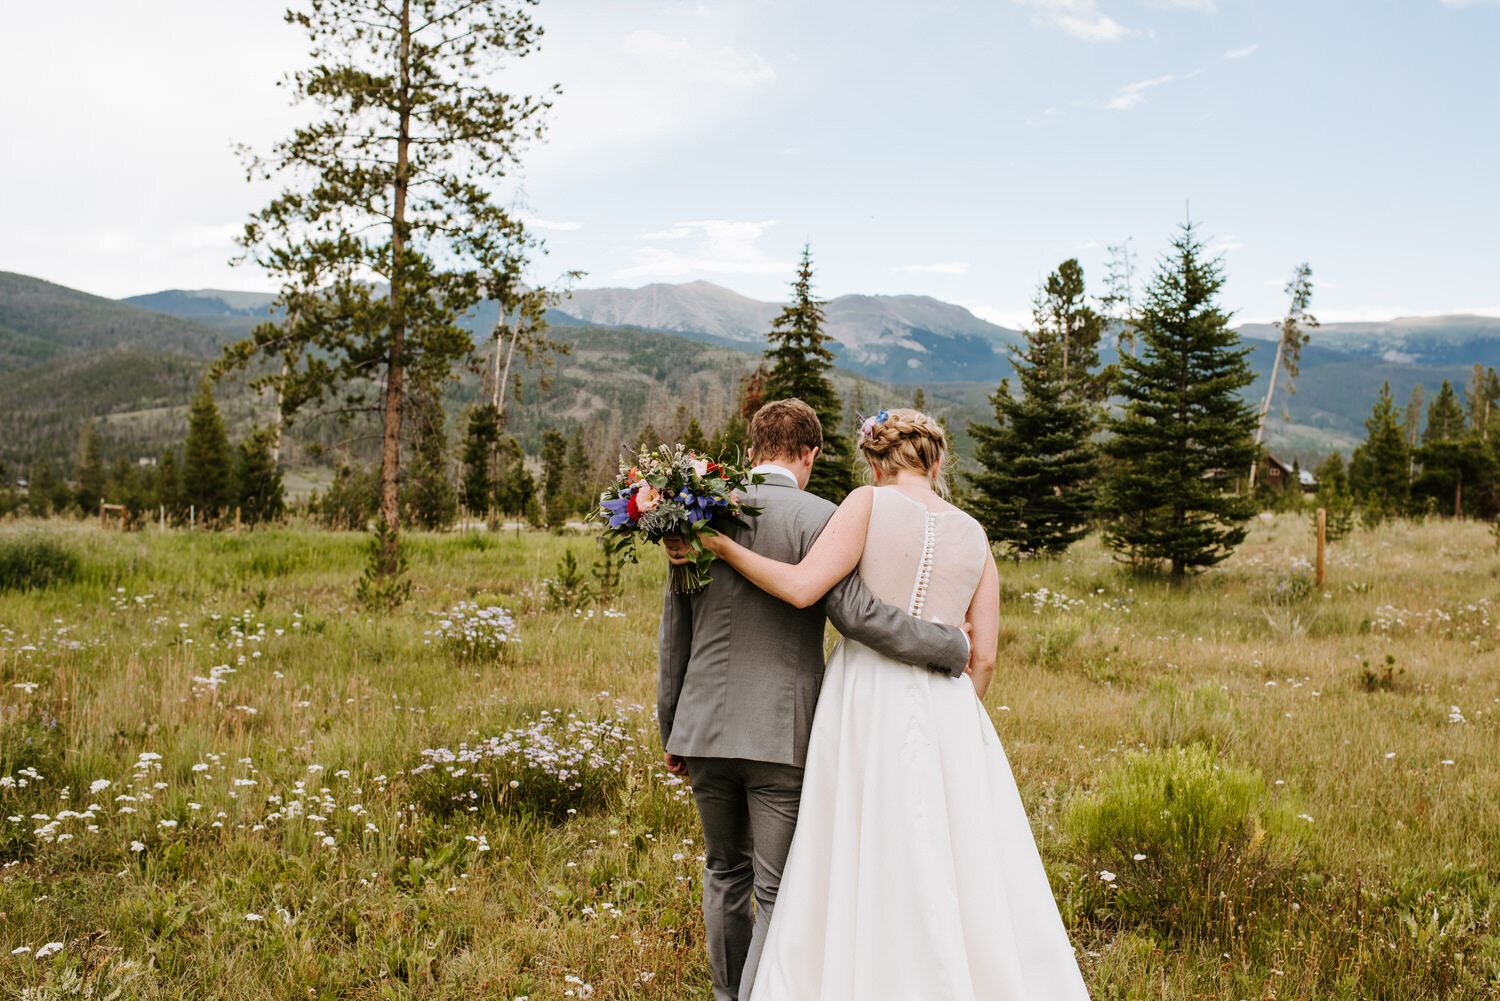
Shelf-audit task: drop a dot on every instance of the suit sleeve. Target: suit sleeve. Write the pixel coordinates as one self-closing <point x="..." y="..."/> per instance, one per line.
<point x="859" y="615"/>
<point x="674" y="641"/>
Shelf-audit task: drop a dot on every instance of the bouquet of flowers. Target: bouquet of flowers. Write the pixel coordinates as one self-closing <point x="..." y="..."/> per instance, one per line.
<point x="671" y="491"/>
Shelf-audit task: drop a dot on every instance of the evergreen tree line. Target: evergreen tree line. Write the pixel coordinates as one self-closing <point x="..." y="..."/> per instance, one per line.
<point x="1160" y="469"/>
<point x="1412" y="465"/>
<point x="207" y="481"/>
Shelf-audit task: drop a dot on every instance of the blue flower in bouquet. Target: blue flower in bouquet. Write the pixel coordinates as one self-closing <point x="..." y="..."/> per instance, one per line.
<point x="619" y="510"/>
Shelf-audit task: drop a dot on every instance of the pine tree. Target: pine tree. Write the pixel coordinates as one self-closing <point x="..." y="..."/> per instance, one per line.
<point x="919" y="400"/>
<point x="206" y="461"/>
<point x="123" y="486"/>
<point x="389" y="234"/>
<point x="693" y="439"/>
<point x="515" y="491"/>
<point x="555" y="477"/>
<point x="580" y="485"/>
<point x="258" y="491"/>
<point x="91" y="477"/>
<point x="1380" y="469"/>
<point x="1482" y="400"/>
<point x="1457" y="467"/>
<point x="1035" y="491"/>
<point x="1061" y="308"/>
<point x="729" y="442"/>
<point x="431" y="498"/>
<point x="1445" y="416"/>
<point x="1411" y="424"/>
<point x="42" y="488"/>
<point x="649" y="438"/>
<point x="481" y="465"/>
<point x="679" y="424"/>
<point x="1184" y="430"/>
<point x="1334" y="497"/>
<point x="800" y="359"/>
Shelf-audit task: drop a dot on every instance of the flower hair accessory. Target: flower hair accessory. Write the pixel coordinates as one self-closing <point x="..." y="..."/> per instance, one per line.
<point x="867" y="429"/>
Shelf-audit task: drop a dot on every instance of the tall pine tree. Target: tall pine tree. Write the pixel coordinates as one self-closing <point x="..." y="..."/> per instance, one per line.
<point x="1035" y="488"/>
<point x="1482" y="400"/>
<point x="431" y="498"/>
<point x="555" y="477"/>
<point x="800" y="360"/>
<point x="1445" y="416"/>
<point x="206" y="462"/>
<point x="481" y="461"/>
<point x="90" y="469"/>
<point x="1061" y="308"/>
<point x="257" y="481"/>
<point x="1380" y="469"/>
<point x="1185" y="431"/>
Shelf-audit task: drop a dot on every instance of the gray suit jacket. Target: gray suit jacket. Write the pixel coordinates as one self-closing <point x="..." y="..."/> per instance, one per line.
<point x="740" y="670"/>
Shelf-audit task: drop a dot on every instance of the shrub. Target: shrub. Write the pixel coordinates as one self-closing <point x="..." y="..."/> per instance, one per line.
<point x="34" y="562"/>
<point x="1172" y="841"/>
<point x="568" y="589"/>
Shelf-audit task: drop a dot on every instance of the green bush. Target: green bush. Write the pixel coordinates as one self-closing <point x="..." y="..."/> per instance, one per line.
<point x="1173" y="841"/>
<point x="34" y="562"/>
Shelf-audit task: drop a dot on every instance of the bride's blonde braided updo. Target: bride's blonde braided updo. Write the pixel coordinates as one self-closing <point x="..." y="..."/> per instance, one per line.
<point x="906" y="439"/>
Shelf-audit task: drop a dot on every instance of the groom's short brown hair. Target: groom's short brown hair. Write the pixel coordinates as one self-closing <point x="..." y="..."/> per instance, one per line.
<point x="785" y="429"/>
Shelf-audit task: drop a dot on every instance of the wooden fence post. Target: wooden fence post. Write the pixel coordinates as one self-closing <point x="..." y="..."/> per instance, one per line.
<point x="1322" y="543"/>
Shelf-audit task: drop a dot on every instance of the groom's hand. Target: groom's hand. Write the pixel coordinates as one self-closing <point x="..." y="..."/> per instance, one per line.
<point x="676" y="765"/>
<point x="678" y="551"/>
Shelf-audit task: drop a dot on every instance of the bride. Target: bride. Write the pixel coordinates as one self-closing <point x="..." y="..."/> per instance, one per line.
<point x="913" y="874"/>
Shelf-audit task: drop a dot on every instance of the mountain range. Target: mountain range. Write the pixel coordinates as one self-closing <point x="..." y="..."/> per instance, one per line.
<point x="65" y="355"/>
<point x="896" y="338"/>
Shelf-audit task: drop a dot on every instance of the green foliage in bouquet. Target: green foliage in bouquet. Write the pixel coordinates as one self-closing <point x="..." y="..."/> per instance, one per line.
<point x="671" y="491"/>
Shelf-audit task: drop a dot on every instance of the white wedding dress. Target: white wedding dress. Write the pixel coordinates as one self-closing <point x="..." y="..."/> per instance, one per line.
<point x="913" y="874"/>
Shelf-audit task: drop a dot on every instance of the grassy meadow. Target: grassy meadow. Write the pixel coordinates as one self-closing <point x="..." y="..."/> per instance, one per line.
<point x="222" y="778"/>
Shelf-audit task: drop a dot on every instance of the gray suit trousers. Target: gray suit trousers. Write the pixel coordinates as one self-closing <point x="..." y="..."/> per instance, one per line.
<point x="749" y="811"/>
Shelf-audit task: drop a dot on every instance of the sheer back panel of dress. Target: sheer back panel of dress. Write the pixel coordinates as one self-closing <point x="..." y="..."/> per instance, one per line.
<point x="927" y="562"/>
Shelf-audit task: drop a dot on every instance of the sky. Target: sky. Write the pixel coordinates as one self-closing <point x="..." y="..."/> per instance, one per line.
<point x="960" y="150"/>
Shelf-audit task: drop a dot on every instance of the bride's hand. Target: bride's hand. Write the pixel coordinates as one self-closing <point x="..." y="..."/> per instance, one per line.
<point x="968" y="628"/>
<point x="714" y="542"/>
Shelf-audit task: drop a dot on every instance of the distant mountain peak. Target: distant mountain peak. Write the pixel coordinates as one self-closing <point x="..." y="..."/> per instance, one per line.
<point x="205" y="302"/>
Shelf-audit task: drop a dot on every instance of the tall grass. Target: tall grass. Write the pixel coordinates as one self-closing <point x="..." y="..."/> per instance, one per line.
<point x="253" y="787"/>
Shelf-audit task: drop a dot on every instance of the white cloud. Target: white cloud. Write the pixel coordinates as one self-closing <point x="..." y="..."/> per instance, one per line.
<point x="679" y="232"/>
<point x="1133" y="94"/>
<point x="1086" y="245"/>
<point x="951" y="268"/>
<point x="1080" y="18"/>
<point x="1225" y="244"/>
<point x="1014" y="317"/>
<point x="1241" y="53"/>
<point x="635" y="78"/>
<point x="724" y="248"/>
<point x="1467" y="3"/>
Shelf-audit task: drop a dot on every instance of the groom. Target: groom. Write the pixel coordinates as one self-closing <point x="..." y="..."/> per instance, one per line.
<point x="739" y="678"/>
